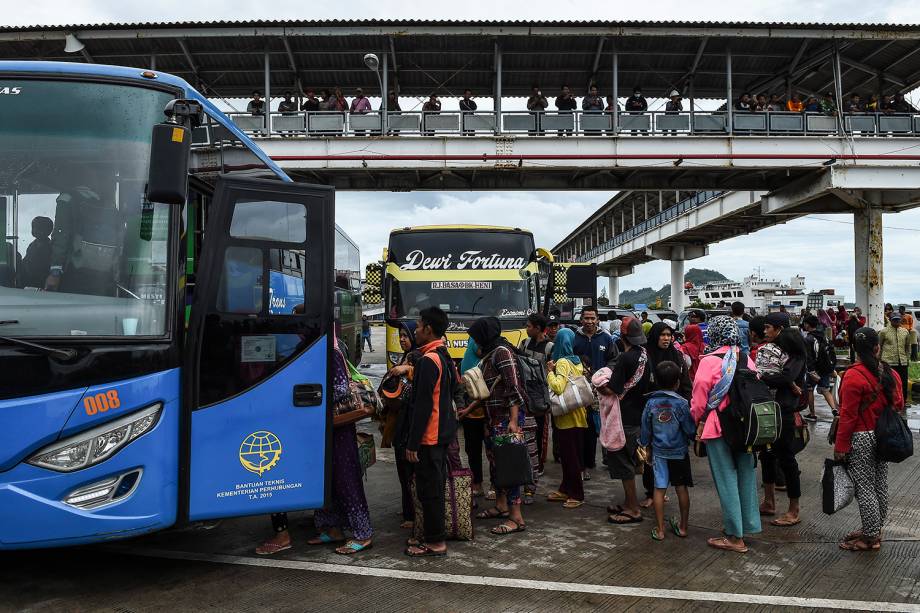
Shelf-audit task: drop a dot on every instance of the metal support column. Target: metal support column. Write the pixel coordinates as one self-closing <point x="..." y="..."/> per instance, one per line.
<point x="867" y="243"/>
<point x="838" y="90"/>
<point x="613" y="290"/>
<point x="729" y="102"/>
<point x="268" y="97"/>
<point x="690" y="89"/>
<point x="498" y="88"/>
<point x="677" y="286"/>
<point x="384" y="95"/>
<point x="616" y="91"/>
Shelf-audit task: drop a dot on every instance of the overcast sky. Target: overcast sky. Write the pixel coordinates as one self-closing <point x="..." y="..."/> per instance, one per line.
<point x="819" y="247"/>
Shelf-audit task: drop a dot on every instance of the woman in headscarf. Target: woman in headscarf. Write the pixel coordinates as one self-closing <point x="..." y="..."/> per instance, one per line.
<point x="832" y="316"/>
<point x="347" y="508"/>
<point x="473" y="419"/>
<point x="401" y="375"/>
<point x="506" y="414"/>
<point x="660" y="348"/>
<point x="693" y="347"/>
<point x="733" y="472"/>
<point x="825" y="320"/>
<point x="568" y="429"/>
<point x="842" y="318"/>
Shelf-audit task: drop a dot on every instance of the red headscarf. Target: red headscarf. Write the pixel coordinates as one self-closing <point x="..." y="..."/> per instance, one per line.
<point x="693" y="346"/>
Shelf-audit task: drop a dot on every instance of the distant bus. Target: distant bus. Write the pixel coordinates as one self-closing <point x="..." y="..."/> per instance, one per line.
<point x="467" y="271"/>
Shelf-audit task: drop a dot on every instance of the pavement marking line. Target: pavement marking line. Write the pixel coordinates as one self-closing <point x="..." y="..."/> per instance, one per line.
<point x="529" y="584"/>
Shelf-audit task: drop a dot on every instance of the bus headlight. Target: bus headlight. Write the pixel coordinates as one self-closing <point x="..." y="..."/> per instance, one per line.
<point x="98" y="444"/>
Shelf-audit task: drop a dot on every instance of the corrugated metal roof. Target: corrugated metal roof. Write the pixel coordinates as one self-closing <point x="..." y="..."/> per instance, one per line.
<point x="227" y="57"/>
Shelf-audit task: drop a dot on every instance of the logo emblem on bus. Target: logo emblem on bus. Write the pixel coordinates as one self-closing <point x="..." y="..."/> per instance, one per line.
<point x="260" y="452"/>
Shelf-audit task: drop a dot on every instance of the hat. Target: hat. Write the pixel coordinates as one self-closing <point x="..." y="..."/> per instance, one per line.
<point x="670" y="323"/>
<point x="552" y="320"/>
<point x="359" y="90"/>
<point x="673" y="93"/>
<point x="894" y="316"/>
<point x="777" y="320"/>
<point x="633" y="332"/>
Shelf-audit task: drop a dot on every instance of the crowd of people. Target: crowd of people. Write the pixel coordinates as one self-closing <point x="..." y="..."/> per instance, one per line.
<point x="333" y="100"/>
<point x="656" y="395"/>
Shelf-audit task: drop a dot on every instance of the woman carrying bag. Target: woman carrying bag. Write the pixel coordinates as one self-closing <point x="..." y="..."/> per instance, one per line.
<point x="868" y="388"/>
<point x="395" y="420"/>
<point x="505" y="411"/>
<point x="733" y="472"/>
<point x="568" y="429"/>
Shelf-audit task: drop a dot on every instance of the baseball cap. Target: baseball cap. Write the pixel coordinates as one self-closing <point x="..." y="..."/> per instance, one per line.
<point x="552" y="320"/>
<point x="633" y="332"/>
<point x="895" y="316"/>
<point x="777" y="320"/>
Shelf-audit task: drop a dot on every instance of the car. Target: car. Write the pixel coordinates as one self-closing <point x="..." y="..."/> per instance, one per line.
<point x="656" y="315"/>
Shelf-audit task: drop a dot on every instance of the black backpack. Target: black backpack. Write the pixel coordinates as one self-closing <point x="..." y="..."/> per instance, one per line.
<point x="533" y="380"/>
<point x="752" y="420"/>
<point x="826" y="359"/>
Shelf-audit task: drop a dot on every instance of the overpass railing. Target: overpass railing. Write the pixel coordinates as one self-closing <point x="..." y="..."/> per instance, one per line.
<point x="580" y="123"/>
<point x="672" y="212"/>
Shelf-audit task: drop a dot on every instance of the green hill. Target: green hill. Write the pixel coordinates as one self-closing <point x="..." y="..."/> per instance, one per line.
<point x="647" y="295"/>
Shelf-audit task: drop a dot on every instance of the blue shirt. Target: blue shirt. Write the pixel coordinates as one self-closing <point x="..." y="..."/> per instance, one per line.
<point x="600" y="348"/>
<point x="744" y="329"/>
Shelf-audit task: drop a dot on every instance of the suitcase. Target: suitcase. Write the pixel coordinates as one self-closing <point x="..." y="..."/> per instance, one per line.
<point x="458" y="507"/>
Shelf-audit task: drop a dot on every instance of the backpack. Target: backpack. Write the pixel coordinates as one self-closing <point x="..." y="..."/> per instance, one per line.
<point x="536" y="388"/>
<point x="826" y="359"/>
<point x="752" y="420"/>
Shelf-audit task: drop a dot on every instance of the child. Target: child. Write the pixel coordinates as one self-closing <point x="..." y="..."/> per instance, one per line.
<point x="668" y="427"/>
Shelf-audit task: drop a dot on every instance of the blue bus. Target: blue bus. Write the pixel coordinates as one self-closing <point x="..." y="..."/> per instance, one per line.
<point x="166" y="312"/>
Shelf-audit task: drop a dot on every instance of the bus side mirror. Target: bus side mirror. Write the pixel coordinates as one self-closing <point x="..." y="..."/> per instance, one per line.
<point x="167" y="175"/>
<point x="373" y="283"/>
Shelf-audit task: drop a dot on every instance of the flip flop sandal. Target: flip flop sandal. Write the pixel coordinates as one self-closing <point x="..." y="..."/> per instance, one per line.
<point x="675" y="527"/>
<point x="492" y="513"/>
<point x="528" y="499"/>
<point x="655" y="535"/>
<point x="325" y="539"/>
<point x="766" y="513"/>
<point x="572" y="504"/>
<point x="352" y="547"/>
<point x="503" y="529"/>
<point x="270" y="549"/>
<point x="423" y="551"/>
<point x="556" y="497"/>
<point x="860" y="545"/>
<point x="629" y="519"/>
<point x="726" y="545"/>
<point x="407" y="525"/>
<point x="785" y="523"/>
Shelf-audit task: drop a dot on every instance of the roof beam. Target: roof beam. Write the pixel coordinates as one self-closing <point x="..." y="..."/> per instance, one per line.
<point x="798" y="56"/>
<point x="395" y="66"/>
<point x="690" y="74"/>
<point x="293" y="63"/>
<point x="870" y="70"/>
<point x="188" y="55"/>
<point x="868" y="57"/>
<point x="597" y="60"/>
<point x="904" y="57"/>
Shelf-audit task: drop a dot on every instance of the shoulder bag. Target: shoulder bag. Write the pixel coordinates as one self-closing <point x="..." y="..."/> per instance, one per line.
<point x="578" y="393"/>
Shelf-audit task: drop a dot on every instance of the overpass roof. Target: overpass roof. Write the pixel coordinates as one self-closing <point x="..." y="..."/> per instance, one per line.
<point x="226" y="58"/>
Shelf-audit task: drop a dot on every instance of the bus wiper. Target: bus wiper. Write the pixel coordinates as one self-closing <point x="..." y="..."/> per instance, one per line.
<point x="64" y="354"/>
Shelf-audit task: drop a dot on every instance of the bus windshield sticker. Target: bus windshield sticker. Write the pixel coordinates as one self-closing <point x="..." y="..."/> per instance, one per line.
<point x="257" y="348"/>
<point x="461" y="285"/>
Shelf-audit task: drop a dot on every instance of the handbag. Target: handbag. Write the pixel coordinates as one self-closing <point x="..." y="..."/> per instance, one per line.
<point x="612" y="434"/>
<point x="893" y="439"/>
<point x="361" y="401"/>
<point x="458" y="507"/>
<point x="367" y="451"/>
<point x="837" y="487"/>
<point x="512" y="462"/>
<point x="578" y="393"/>
<point x="800" y="434"/>
<point x="474" y="384"/>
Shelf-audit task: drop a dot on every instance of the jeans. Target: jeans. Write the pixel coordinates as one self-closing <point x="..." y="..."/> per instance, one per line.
<point x="430" y="477"/>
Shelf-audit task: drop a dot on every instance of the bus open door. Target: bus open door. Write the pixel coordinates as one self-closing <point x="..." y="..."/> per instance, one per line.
<point x="256" y="393"/>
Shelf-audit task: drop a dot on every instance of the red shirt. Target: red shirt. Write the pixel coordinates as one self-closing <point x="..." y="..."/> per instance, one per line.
<point x="859" y="383"/>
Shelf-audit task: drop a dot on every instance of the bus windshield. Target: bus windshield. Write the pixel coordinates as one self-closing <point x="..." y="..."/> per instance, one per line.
<point x="82" y="253"/>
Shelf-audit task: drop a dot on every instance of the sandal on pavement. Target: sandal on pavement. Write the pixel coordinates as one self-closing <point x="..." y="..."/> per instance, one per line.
<point x="269" y="549"/>
<point x="861" y="544"/>
<point x="407" y="525"/>
<point x="785" y="522"/>
<point x="422" y="550"/>
<point x="504" y="528"/>
<point x="492" y="513"/>
<point x="675" y="527"/>
<point x="723" y="543"/>
<point x="352" y="547"/>
<point x="325" y="539"/>
<point x="623" y="518"/>
<point x="655" y="535"/>
<point x="556" y="497"/>
<point x="765" y="511"/>
<point x="614" y="509"/>
<point x="571" y="503"/>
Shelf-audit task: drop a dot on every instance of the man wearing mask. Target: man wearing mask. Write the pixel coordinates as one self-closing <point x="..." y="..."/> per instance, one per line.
<point x="565" y="103"/>
<point x="636" y="105"/>
<point x="596" y="348"/>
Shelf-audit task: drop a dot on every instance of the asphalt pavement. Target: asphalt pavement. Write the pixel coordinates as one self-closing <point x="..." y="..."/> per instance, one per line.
<point x="567" y="560"/>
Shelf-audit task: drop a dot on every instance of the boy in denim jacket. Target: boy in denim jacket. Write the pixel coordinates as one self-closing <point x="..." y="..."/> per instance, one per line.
<point x="668" y="427"/>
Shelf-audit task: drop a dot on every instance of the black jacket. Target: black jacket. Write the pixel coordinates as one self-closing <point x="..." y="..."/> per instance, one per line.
<point x="432" y="420"/>
<point x="633" y="403"/>
<point x="793" y="373"/>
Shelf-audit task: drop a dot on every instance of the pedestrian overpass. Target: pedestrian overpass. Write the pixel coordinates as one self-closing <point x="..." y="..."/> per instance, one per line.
<point x="771" y="164"/>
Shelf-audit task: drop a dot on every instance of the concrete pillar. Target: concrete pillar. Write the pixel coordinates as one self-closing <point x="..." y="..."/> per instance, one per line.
<point x="613" y="290"/>
<point x="677" y="286"/>
<point x="867" y="243"/>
